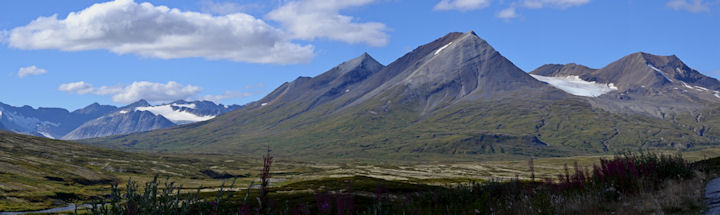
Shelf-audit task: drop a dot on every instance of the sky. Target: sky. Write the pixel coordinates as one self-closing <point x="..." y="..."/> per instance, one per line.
<point x="70" y="54"/>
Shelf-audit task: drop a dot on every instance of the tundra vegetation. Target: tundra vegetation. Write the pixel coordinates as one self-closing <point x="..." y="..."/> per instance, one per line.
<point x="630" y="183"/>
<point x="38" y="173"/>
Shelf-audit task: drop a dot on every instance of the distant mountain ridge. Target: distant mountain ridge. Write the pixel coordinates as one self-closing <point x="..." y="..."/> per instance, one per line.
<point x="47" y="122"/>
<point x="97" y="120"/>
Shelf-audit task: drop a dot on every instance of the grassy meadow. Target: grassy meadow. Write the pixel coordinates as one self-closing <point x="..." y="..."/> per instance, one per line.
<point x="38" y="173"/>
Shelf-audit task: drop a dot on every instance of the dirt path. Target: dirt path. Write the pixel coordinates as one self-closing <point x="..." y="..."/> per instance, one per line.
<point x="712" y="196"/>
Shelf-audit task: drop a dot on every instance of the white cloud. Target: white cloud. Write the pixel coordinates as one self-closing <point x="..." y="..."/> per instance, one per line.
<point x="310" y="19"/>
<point x="30" y="70"/>
<point x="226" y="95"/>
<point x="553" y="3"/>
<point x="155" y="92"/>
<point x="461" y="5"/>
<point x="126" y="27"/>
<point x="150" y="91"/>
<point x="694" y="6"/>
<point x="79" y="87"/>
<point x="507" y="13"/>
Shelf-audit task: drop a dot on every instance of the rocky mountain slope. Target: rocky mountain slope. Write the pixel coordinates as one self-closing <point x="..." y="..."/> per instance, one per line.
<point x="458" y="98"/>
<point x="642" y="83"/>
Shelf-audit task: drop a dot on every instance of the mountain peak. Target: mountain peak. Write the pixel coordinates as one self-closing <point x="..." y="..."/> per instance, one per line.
<point x="142" y="102"/>
<point x="363" y="60"/>
<point x="94" y="105"/>
<point x="95" y="109"/>
<point x="464" y="41"/>
<point x="655" y="60"/>
<point x="139" y="103"/>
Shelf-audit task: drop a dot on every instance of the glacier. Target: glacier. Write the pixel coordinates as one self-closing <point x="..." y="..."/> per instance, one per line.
<point x="576" y="86"/>
<point x="176" y="116"/>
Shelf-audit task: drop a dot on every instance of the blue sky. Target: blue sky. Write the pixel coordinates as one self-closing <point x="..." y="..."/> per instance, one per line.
<point x="236" y="52"/>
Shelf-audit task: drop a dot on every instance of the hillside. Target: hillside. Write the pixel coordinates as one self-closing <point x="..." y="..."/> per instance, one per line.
<point x="457" y="98"/>
<point x="38" y="173"/>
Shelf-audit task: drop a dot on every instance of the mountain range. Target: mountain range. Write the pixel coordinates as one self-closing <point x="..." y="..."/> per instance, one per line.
<point x="459" y="98"/>
<point x="97" y="120"/>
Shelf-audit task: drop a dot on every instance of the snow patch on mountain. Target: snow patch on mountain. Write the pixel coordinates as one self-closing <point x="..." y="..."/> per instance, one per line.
<point x="441" y="48"/>
<point x="176" y="116"/>
<point x="701" y="88"/>
<point x="576" y="86"/>
<point x="698" y="88"/>
<point x="686" y="85"/>
<point x="45" y="134"/>
<point x="661" y="72"/>
<point x="191" y="106"/>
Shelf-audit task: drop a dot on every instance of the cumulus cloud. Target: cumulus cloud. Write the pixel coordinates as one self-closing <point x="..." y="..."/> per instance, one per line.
<point x="461" y="5"/>
<point x="507" y="13"/>
<point x="226" y="95"/>
<point x="310" y="19"/>
<point x="30" y="71"/>
<point x="79" y="87"/>
<point x="155" y="92"/>
<point x="126" y="27"/>
<point x="553" y="3"/>
<point x="150" y="91"/>
<point x="693" y="6"/>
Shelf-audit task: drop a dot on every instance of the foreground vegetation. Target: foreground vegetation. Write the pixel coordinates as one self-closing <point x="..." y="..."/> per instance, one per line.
<point x="625" y="184"/>
<point x="38" y="173"/>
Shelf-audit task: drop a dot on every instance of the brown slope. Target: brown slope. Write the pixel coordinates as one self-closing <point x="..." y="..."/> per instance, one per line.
<point x="561" y="70"/>
<point x="340" y="81"/>
<point x="453" y="68"/>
